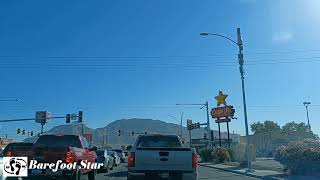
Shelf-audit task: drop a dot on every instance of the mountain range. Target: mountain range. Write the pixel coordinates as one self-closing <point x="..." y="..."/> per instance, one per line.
<point x="126" y="127"/>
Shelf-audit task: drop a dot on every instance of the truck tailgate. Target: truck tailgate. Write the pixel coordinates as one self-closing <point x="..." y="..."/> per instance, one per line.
<point x="165" y="159"/>
<point x="50" y="154"/>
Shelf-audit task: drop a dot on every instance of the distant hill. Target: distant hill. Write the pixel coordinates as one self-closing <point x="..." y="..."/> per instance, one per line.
<point x="126" y="126"/>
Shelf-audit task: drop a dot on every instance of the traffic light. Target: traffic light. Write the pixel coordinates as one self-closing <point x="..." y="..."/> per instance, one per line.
<point x="198" y="125"/>
<point x="80" y="117"/>
<point x="68" y="118"/>
<point x="23" y="131"/>
<point x="119" y="132"/>
<point x="31" y="133"/>
<point x="132" y="133"/>
<point x="205" y="136"/>
<point x="189" y="127"/>
<point x="18" y="131"/>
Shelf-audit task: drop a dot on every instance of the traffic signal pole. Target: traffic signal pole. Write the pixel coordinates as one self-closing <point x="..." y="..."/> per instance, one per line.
<point x="190" y="139"/>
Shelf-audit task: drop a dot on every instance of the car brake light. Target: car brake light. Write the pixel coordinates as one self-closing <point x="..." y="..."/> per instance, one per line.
<point x="131" y="159"/>
<point x="194" y="161"/>
<point x="69" y="158"/>
<point x="9" y="153"/>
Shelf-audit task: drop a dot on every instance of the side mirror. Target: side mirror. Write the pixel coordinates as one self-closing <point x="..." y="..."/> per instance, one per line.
<point x="93" y="148"/>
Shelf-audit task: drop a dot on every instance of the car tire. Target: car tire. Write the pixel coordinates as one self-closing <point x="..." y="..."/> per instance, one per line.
<point x="106" y="170"/>
<point x="92" y="175"/>
<point x="132" y="178"/>
<point x="76" y="175"/>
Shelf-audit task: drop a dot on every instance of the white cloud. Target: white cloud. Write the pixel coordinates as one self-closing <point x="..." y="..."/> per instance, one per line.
<point x="279" y="37"/>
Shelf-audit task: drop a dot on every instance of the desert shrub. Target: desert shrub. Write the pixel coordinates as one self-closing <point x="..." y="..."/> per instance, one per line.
<point x="221" y="155"/>
<point x="206" y="154"/>
<point x="300" y="157"/>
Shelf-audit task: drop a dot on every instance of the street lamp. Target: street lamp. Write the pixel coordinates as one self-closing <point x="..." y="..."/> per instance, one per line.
<point x="241" y="61"/>
<point x="207" y="108"/>
<point x="306" y="104"/>
<point x="181" y="118"/>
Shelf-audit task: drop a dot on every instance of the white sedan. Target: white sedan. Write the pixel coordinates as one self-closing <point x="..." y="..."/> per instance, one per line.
<point x="116" y="157"/>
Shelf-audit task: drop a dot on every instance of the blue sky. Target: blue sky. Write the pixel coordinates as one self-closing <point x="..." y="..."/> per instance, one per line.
<point x="113" y="59"/>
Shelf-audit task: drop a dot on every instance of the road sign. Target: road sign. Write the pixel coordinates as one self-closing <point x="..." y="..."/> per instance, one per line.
<point x="74" y="117"/>
<point x="222" y="120"/>
<point x="189" y="122"/>
<point x="43" y="116"/>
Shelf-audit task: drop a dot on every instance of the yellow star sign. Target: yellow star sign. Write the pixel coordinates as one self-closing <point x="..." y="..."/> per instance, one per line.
<point x="221" y="99"/>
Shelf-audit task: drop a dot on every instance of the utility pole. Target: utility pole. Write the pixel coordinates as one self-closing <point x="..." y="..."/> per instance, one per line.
<point x="241" y="62"/>
<point x="208" y="121"/>
<point x="306" y="104"/>
<point x="181" y="124"/>
<point x="106" y="139"/>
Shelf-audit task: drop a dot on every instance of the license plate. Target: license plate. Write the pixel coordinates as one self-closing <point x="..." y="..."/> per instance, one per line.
<point x="164" y="175"/>
<point x="36" y="171"/>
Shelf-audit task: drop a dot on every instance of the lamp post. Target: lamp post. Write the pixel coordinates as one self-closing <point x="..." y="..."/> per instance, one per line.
<point x="207" y="108"/>
<point x="306" y="104"/>
<point x="241" y="61"/>
<point x="181" y="118"/>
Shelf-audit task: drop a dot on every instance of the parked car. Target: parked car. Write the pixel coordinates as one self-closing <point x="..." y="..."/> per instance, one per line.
<point x="70" y="148"/>
<point x="115" y="156"/>
<point x="126" y="153"/>
<point x="103" y="157"/>
<point x="120" y="154"/>
<point x="164" y="156"/>
<point x="111" y="159"/>
<point x="19" y="149"/>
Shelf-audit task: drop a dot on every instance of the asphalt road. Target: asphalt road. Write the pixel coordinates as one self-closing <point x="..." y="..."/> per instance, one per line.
<point x="205" y="173"/>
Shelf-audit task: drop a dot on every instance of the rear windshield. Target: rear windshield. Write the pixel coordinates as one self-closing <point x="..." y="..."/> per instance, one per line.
<point x="158" y="141"/>
<point x="100" y="153"/>
<point x="60" y="141"/>
<point x="118" y="150"/>
<point x="110" y="153"/>
<point x="18" y="146"/>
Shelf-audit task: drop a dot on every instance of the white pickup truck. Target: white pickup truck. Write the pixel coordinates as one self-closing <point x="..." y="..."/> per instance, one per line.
<point x="162" y="156"/>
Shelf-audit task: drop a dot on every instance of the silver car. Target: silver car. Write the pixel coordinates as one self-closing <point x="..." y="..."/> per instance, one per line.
<point x="120" y="154"/>
<point x="103" y="157"/>
<point x="116" y="157"/>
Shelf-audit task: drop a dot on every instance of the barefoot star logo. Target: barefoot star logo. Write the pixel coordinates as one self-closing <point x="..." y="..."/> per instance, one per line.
<point x="15" y="166"/>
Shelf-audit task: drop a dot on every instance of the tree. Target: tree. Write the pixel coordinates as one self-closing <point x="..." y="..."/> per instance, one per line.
<point x="257" y="127"/>
<point x="298" y="131"/>
<point x="266" y="126"/>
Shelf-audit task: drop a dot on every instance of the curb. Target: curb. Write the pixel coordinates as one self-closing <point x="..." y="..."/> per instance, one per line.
<point x="240" y="173"/>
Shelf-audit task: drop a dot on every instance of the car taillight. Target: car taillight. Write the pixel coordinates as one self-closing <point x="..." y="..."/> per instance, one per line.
<point x="131" y="159"/>
<point x="69" y="157"/>
<point x="194" y="161"/>
<point x="9" y="153"/>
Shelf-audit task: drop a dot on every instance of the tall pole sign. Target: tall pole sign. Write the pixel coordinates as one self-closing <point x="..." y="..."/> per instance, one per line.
<point x="223" y="113"/>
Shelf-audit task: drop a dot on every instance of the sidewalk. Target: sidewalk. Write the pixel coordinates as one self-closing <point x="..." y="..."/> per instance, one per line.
<point x="261" y="174"/>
